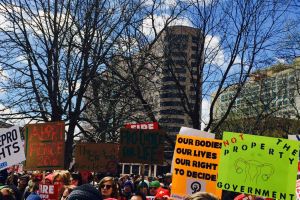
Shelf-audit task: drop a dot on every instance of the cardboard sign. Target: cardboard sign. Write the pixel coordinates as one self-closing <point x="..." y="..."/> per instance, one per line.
<point x="45" y="146"/>
<point x="49" y="192"/>
<point x="196" y="165"/>
<point x="258" y="165"/>
<point x="11" y="147"/>
<point x="141" y="146"/>
<point x="101" y="157"/>
<point x="145" y="125"/>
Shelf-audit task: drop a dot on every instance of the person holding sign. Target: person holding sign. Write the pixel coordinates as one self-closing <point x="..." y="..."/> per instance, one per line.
<point x="34" y="187"/>
<point x="153" y="186"/>
<point x="85" y="192"/>
<point x="66" y="191"/>
<point x="128" y="189"/>
<point x="143" y="187"/>
<point x="61" y="177"/>
<point x="201" y="196"/>
<point x="108" y="188"/>
<point x="76" y="179"/>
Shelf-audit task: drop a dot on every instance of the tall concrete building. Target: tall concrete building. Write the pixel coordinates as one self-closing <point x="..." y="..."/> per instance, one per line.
<point x="179" y="46"/>
<point x="272" y="91"/>
<point x="176" y="57"/>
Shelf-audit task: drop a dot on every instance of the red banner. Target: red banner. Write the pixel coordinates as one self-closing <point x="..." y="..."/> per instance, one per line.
<point x="144" y="125"/>
<point x="49" y="192"/>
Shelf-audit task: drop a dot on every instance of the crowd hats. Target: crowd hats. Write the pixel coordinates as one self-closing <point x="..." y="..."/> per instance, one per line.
<point x="143" y="183"/>
<point x="162" y="192"/>
<point x="129" y="183"/>
<point x="85" y="192"/>
<point x="155" y="184"/>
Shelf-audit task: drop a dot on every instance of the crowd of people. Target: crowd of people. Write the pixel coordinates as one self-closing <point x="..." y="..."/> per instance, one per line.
<point x="75" y="186"/>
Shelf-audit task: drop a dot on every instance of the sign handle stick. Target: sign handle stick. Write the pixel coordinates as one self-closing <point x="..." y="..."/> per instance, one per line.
<point x="94" y="178"/>
<point x="44" y="177"/>
<point x="94" y="173"/>
<point x="143" y="172"/>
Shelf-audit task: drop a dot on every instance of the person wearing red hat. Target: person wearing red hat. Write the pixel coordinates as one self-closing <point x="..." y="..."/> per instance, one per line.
<point x="162" y="194"/>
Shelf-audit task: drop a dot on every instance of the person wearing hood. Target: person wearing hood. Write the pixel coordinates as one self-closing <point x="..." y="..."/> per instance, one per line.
<point x="143" y="187"/>
<point x="127" y="190"/>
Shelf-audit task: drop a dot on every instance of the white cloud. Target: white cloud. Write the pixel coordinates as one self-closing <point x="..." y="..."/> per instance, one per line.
<point x="160" y="23"/>
<point x="280" y="60"/>
<point x="205" y="112"/>
<point x="213" y="53"/>
<point x="199" y="2"/>
<point x="169" y="3"/>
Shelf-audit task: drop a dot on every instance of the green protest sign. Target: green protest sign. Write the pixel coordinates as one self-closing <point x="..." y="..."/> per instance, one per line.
<point x="258" y="165"/>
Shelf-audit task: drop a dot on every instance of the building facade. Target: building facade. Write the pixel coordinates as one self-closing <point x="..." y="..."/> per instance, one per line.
<point x="272" y="91"/>
<point x="179" y="46"/>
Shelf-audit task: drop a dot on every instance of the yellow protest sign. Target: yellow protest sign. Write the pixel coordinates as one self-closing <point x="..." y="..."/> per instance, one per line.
<point x="195" y="164"/>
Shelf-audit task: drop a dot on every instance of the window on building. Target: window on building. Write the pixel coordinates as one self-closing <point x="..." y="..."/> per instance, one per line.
<point x="169" y="95"/>
<point x="170" y="78"/>
<point x="171" y="103"/>
<point x="171" y="112"/>
<point x="171" y="120"/>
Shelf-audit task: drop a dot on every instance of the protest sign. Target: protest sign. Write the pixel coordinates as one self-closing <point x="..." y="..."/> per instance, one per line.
<point x="45" y="145"/>
<point x="195" y="164"/>
<point x="49" y="192"/>
<point x="258" y="165"/>
<point x="294" y="137"/>
<point x="11" y="151"/>
<point x="145" y="125"/>
<point x="141" y="146"/>
<point x="101" y="157"/>
<point x="193" y="132"/>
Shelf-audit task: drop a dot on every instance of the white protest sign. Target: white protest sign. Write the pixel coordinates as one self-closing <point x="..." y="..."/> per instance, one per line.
<point x="195" y="132"/>
<point x="11" y="147"/>
<point x="294" y="137"/>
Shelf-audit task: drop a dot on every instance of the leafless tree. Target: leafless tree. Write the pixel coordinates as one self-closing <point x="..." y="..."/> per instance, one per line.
<point x="288" y="47"/>
<point x="50" y="52"/>
<point x="112" y="105"/>
<point x="234" y="39"/>
<point x="131" y="74"/>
